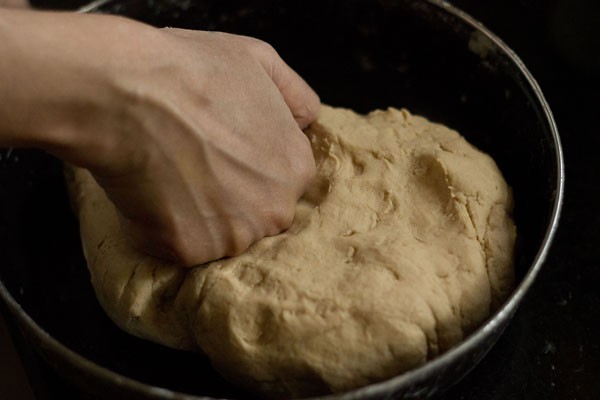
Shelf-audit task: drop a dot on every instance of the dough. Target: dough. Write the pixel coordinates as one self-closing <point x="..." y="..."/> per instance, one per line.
<point x="403" y="246"/>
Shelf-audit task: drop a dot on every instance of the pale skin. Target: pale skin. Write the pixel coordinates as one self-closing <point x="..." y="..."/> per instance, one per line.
<point x="195" y="136"/>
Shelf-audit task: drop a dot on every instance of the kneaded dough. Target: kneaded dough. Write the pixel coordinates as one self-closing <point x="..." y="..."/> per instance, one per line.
<point x="402" y="246"/>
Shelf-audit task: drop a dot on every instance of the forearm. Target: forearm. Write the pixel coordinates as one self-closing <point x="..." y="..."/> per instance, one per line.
<point x="14" y="4"/>
<point x="60" y="81"/>
<point x="31" y="85"/>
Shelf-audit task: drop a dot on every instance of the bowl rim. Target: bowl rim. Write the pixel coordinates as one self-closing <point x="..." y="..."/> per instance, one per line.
<point x="469" y="344"/>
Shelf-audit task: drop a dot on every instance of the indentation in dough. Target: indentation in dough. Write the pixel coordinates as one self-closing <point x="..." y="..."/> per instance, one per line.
<point x="257" y="328"/>
<point x="248" y="275"/>
<point x="432" y="181"/>
<point x="318" y="191"/>
<point x="358" y="165"/>
<point x="388" y="203"/>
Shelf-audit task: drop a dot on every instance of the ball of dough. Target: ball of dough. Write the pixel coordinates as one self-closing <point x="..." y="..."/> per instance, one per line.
<point x="402" y="246"/>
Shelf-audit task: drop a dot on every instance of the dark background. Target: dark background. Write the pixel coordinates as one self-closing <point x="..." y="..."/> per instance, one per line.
<point x="551" y="350"/>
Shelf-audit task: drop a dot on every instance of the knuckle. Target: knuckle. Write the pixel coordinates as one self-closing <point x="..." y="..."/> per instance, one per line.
<point x="176" y="249"/>
<point x="308" y="171"/>
<point x="308" y="112"/>
<point x="304" y="163"/>
<point x="313" y="105"/>
<point x="281" y="217"/>
<point x="169" y="243"/>
<point x="241" y="240"/>
<point x="262" y="46"/>
<point x="262" y="49"/>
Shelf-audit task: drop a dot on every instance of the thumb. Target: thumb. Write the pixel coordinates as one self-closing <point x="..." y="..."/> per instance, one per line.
<point x="300" y="98"/>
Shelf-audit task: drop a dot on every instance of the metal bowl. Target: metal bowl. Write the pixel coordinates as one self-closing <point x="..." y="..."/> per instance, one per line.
<point x="426" y="56"/>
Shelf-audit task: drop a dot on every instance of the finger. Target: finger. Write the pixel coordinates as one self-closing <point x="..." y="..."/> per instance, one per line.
<point x="183" y="250"/>
<point x="301" y="99"/>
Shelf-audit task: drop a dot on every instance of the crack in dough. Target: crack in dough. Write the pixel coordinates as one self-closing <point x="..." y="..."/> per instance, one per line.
<point x="401" y="248"/>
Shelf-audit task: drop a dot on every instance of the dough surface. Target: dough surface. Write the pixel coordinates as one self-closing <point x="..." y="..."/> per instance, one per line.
<point x="401" y="248"/>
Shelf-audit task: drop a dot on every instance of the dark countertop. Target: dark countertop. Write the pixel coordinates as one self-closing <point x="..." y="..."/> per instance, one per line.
<point x="551" y="350"/>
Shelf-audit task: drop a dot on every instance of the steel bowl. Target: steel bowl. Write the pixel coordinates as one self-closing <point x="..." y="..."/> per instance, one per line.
<point x="427" y="56"/>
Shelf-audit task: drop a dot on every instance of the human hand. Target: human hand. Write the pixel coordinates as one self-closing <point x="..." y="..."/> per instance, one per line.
<point x="195" y="136"/>
<point x="14" y="3"/>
